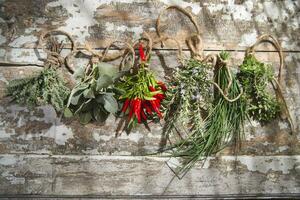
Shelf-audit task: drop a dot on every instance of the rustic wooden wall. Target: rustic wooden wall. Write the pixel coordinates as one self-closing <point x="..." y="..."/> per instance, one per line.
<point x="42" y="154"/>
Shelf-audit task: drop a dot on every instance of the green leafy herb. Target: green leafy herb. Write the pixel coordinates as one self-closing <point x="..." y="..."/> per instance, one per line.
<point x="93" y="96"/>
<point x="254" y="77"/>
<point x="46" y="88"/>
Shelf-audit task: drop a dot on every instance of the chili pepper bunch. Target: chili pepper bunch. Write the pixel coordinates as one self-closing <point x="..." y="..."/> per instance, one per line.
<point x="142" y="94"/>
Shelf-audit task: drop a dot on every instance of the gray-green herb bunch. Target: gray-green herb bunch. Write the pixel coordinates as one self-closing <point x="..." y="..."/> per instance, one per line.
<point x="93" y="97"/>
<point x="187" y="98"/>
<point x="46" y="88"/>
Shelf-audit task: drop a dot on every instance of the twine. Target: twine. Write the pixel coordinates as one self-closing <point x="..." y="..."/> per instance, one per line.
<point x="194" y="42"/>
<point x="278" y="82"/>
<point x="53" y="55"/>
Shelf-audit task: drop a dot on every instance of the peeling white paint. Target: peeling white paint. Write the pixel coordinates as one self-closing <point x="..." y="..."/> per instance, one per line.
<point x="239" y="12"/>
<point x="288" y="44"/>
<point x="194" y="6"/>
<point x="26" y="55"/>
<point x="283" y="125"/>
<point x="3" y="79"/>
<point x="271" y="9"/>
<point x="22" y="40"/>
<point x="2" y="39"/>
<point x="80" y="19"/>
<point x="134" y="136"/>
<point x="248" y="39"/>
<point x="2" y="52"/>
<point x="214" y="7"/>
<point x="60" y="133"/>
<point x="4" y="135"/>
<point x="8" y="160"/>
<point x="41" y="20"/>
<point x="12" y="179"/>
<point x="174" y="163"/>
<point x="282" y="148"/>
<point x="50" y="115"/>
<point x="261" y="18"/>
<point x="103" y="137"/>
<point x="32" y="29"/>
<point x="137" y="30"/>
<point x="264" y="164"/>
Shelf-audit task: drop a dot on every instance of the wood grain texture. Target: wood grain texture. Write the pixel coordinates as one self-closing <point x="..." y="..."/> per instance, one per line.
<point x="42" y="153"/>
<point x="119" y="175"/>
<point x="224" y="24"/>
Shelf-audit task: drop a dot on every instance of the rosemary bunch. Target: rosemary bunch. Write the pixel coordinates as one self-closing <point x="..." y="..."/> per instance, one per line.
<point x="46" y="88"/>
<point x="188" y="98"/>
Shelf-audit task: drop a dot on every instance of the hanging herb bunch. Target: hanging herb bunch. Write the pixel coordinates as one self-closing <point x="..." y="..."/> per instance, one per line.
<point x="48" y="87"/>
<point x="141" y="93"/>
<point x="94" y="96"/>
<point x="223" y="124"/>
<point x="255" y="76"/>
<point x="188" y="98"/>
<point x="205" y="121"/>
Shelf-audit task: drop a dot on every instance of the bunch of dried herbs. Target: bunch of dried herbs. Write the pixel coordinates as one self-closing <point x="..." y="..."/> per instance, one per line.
<point x="93" y="97"/>
<point x="188" y="98"/>
<point x="45" y="88"/>
<point x="223" y="124"/>
<point x="255" y="77"/>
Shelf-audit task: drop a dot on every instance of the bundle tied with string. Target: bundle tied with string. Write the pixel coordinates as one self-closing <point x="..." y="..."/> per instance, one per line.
<point x="142" y="93"/>
<point x="94" y="96"/>
<point x="205" y="121"/>
<point x="48" y="86"/>
<point x="188" y="97"/>
<point x="255" y="77"/>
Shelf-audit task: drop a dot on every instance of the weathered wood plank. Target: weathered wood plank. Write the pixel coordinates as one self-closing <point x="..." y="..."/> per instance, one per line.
<point x="224" y="24"/>
<point x="42" y="131"/>
<point x="113" y="175"/>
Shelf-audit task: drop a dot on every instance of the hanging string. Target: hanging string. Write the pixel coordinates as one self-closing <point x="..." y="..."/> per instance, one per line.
<point x="278" y="82"/>
<point x="54" y="58"/>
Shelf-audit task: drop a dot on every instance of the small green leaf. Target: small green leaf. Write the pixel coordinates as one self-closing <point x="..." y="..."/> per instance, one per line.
<point x="85" y="118"/>
<point x="77" y="90"/>
<point x="68" y="113"/>
<point x="107" y="69"/>
<point x="100" y="114"/>
<point x="89" y="93"/>
<point x="79" y="73"/>
<point x="103" y="82"/>
<point x="110" y="103"/>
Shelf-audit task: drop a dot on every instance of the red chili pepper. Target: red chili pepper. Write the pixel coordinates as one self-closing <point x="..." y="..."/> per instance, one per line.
<point x="162" y="86"/>
<point x="147" y="107"/>
<point x="138" y="109"/>
<point x="125" y="105"/>
<point x="142" y="53"/>
<point x="132" y="109"/>
<point x="152" y="89"/>
<point x="159" y="96"/>
<point x="156" y="107"/>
